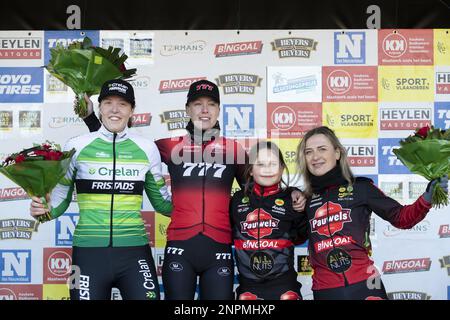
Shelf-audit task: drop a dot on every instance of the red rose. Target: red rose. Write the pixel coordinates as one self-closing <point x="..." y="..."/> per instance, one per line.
<point x="41" y="153"/>
<point x="422" y="132"/>
<point x="122" y="67"/>
<point x="19" y="158"/>
<point x="46" y="146"/>
<point x="54" y="155"/>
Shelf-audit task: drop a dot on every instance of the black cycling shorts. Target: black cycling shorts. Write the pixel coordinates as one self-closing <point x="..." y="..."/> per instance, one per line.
<point x="357" y="291"/>
<point x="130" y="269"/>
<point x="284" y="287"/>
<point x="199" y="256"/>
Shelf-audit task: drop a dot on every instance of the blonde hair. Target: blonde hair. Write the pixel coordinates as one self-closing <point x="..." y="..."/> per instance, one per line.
<point x="302" y="168"/>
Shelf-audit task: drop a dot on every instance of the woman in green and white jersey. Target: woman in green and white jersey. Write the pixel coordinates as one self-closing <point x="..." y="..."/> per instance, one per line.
<point x="110" y="170"/>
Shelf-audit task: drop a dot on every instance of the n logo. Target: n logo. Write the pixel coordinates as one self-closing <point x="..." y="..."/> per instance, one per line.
<point x="65" y="227"/>
<point x="239" y="120"/>
<point x="349" y="48"/>
<point x="15" y="265"/>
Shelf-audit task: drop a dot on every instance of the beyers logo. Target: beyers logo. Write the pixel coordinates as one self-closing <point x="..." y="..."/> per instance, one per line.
<point x="349" y="47"/>
<point x="408" y="265"/>
<point x="394" y="45"/>
<point x="15" y="265"/>
<point x="442" y="115"/>
<point x="361" y="155"/>
<point x="404" y="118"/>
<point x="21" y="85"/>
<point x="16" y="193"/>
<point x="259" y="224"/>
<point x="329" y="219"/>
<point x="64" y="229"/>
<point x="175" y="119"/>
<point x="408" y="295"/>
<point x="444" y="231"/>
<point x="238" y="48"/>
<point x="239" y="120"/>
<point x="21" y="48"/>
<point x="294" y="47"/>
<point x="339" y="81"/>
<point x="177" y="85"/>
<point x="442" y="82"/>
<point x="193" y="47"/>
<point x="17" y="229"/>
<point x="237" y="83"/>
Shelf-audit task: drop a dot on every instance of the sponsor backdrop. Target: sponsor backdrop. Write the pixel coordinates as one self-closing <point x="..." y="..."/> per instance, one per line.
<point x="372" y="87"/>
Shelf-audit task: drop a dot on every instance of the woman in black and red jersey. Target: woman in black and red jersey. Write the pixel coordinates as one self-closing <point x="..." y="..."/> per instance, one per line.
<point x="338" y="209"/>
<point x="265" y="228"/>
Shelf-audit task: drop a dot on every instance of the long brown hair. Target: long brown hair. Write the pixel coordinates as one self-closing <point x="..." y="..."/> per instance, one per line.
<point x="253" y="155"/>
<point x="302" y="168"/>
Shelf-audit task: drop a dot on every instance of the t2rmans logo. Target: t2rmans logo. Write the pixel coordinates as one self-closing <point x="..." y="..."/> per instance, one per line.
<point x="15" y="266"/>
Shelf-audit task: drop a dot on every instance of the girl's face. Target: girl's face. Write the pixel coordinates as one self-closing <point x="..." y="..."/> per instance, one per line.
<point x="267" y="169"/>
<point x="320" y="155"/>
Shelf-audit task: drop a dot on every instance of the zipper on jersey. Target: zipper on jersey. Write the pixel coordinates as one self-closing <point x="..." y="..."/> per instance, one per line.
<point x="113" y="189"/>
<point x="203" y="189"/>
<point x="259" y="211"/>
<point x="329" y="231"/>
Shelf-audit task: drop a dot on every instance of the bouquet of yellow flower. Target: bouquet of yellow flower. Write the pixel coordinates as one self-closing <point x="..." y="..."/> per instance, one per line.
<point x="85" y="68"/>
<point x="427" y="153"/>
<point x="38" y="169"/>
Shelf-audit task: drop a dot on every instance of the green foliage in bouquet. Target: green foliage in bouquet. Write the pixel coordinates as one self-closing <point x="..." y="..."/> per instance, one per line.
<point x="37" y="170"/>
<point x="427" y="153"/>
<point x="85" y="68"/>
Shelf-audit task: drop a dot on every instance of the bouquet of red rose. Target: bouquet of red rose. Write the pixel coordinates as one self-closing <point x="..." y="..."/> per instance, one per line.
<point x="37" y="170"/>
<point x="85" y="68"/>
<point x="427" y="153"/>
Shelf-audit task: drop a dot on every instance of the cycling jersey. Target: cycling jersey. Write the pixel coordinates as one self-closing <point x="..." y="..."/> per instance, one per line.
<point x="339" y="228"/>
<point x="264" y="230"/>
<point x="110" y="172"/>
<point x="201" y="179"/>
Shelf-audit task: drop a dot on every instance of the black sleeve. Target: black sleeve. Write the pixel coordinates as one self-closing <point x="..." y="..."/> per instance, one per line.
<point x="92" y="122"/>
<point x="299" y="228"/>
